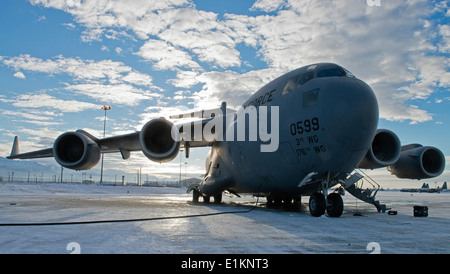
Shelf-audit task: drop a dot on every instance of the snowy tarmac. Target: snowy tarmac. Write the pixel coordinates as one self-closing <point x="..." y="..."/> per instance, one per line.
<point x="260" y="231"/>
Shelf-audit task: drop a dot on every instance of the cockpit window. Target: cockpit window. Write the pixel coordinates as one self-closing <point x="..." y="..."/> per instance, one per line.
<point x="290" y="85"/>
<point x="306" y="77"/>
<point x="348" y="73"/>
<point x="330" y="72"/>
<point x="315" y="71"/>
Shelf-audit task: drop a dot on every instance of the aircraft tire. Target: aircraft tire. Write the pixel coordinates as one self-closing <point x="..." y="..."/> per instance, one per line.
<point x="317" y="204"/>
<point x="335" y="205"/>
<point x="270" y="203"/>
<point x="206" y="199"/>
<point x="218" y="198"/>
<point x="195" y="196"/>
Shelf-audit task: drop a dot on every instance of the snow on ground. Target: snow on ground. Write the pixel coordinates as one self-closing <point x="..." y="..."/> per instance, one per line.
<point x="262" y="230"/>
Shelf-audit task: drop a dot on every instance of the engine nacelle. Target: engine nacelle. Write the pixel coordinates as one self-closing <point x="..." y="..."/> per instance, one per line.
<point x="384" y="151"/>
<point x="75" y="150"/>
<point x="418" y="162"/>
<point x="160" y="140"/>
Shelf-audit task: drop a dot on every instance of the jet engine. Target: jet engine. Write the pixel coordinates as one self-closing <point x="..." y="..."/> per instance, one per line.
<point x="384" y="151"/>
<point x="418" y="162"/>
<point x="76" y="151"/>
<point x="160" y="140"/>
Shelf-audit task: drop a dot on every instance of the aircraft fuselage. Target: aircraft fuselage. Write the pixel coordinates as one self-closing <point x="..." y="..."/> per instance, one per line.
<point x="327" y="121"/>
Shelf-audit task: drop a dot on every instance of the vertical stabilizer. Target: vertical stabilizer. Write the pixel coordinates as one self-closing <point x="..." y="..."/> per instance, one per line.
<point x="15" y="147"/>
<point x="444" y="186"/>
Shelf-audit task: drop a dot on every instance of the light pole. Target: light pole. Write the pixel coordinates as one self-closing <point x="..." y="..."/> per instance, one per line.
<point x="181" y="154"/>
<point x="105" y="108"/>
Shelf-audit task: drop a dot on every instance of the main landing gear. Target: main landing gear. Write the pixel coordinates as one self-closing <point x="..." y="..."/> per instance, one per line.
<point x="333" y="204"/>
<point x="206" y="199"/>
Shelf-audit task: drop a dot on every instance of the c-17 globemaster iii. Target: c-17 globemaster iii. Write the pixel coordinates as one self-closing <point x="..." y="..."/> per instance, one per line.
<point x="300" y="135"/>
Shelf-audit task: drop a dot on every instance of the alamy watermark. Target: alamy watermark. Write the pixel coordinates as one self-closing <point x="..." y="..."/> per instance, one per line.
<point x="74" y="247"/>
<point x="374" y="247"/>
<point x="238" y="124"/>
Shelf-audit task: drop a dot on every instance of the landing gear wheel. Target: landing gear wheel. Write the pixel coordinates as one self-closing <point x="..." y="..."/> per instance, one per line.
<point x="269" y="202"/>
<point x="317" y="204"/>
<point x="335" y="205"/>
<point x="206" y="199"/>
<point x="218" y="198"/>
<point x="195" y="196"/>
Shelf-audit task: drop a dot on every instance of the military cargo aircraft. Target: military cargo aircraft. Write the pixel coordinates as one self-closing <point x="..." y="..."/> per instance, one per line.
<point x="426" y="188"/>
<point x="323" y="125"/>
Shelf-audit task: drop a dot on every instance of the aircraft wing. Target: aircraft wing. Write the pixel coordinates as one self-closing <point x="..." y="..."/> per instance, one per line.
<point x="160" y="140"/>
<point x="44" y="153"/>
<point x="106" y="145"/>
<point x="121" y="143"/>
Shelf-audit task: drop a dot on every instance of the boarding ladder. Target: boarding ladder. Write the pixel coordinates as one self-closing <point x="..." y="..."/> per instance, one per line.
<point x="352" y="185"/>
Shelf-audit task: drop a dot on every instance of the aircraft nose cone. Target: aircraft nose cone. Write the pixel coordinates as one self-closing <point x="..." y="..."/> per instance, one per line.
<point x="351" y="111"/>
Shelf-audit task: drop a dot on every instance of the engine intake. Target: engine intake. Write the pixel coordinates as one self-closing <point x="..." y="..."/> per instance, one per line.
<point x="418" y="162"/>
<point x="160" y="140"/>
<point x="75" y="150"/>
<point x="384" y="151"/>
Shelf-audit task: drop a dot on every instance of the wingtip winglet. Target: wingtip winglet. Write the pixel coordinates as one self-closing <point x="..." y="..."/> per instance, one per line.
<point x="15" y="147"/>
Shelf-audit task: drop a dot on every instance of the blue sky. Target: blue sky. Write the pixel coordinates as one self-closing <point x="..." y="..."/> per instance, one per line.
<point x="61" y="60"/>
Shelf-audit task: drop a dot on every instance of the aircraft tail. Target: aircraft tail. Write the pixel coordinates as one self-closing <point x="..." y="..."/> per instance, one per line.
<point x="444" y="186"/>
<point x="15" y="147"/>
<point x="425" y="185"/>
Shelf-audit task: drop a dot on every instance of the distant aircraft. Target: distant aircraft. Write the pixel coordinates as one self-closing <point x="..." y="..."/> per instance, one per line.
<point x="443" y="188"/>
<point x="426" y="188"/>
<point x="323" y="124"/>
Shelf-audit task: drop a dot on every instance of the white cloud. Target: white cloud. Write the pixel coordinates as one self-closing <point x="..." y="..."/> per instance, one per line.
<point x="19" y="75"/>
<point x="42" y="137"/>
<point x="267" y="5"/>
<point x="385" y="46"/>
<point x="153" y="112"/>
<point x="185" y="79"/>
<point x="98" y="15"/>
<point x="390" y="47"/>
<point x="46" y="101"/>
<point x="444" y="31"/>
<point x="202" y="33"/>
<point x="442" y="6"/>
<point x="70" y="26"/>
<point x="104" y="80"/>
<point x="166" y="56"/>
<point x="218" y="54"/>
<point x="91" y="35"/>
<point x="32" y="114"/>
<point x="138" y="79"/>
<point x="26" y="62"/>
<point x="230" y="86"/>
<point x="120" y="94"/>
<point x="182" y="28"/>
<point x="432" y="72"/>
